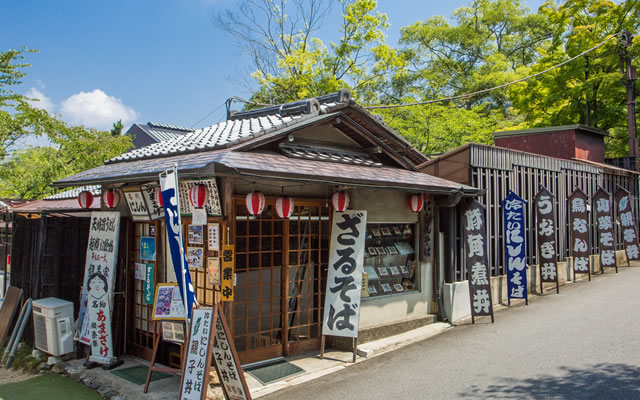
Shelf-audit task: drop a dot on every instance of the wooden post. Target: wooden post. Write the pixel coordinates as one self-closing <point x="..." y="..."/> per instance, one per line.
<point x="355" y="348"/>
<point x="322" y="339"/>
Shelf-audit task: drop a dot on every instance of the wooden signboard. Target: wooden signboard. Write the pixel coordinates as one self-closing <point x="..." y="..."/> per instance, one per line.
<point x="226" y="360"/>
<point x="475" y="249"/>
<point x="603" y="210"/>
<point x="228" y="268"/>
<point x="195" y="373"/>
<point x="8" y="312"/>
<point x="580" y="235"/>
<point x="137" y="204"/>
<point x="624" y="210"/>
<point x="167" y="303"/>
<point x="546" y="233"/>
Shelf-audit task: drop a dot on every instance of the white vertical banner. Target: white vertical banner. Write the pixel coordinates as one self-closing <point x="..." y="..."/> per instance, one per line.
<point x="99" y="278"/>
<point x="344" y="280"/>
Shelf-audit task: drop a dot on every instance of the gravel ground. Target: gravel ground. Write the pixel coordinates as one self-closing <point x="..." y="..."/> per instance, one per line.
<point x="12" y="375"/>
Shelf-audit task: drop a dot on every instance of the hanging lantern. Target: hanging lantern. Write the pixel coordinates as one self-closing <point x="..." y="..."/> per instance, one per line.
<point x="284" y="206"/>
<point x="111" y="198"/>
<point x="198" y="195"/>
<point x="416" y="202"/>
<point x="255" y="203"/>
<point x="85" y="199"/>
<point x="157" y="196"/>
<point x="340" y="201"/>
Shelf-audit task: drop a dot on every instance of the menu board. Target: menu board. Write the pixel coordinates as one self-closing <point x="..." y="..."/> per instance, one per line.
<point x="227" y="363"/>
<point x="195" y="374"/>
<point x="168" y="304"/>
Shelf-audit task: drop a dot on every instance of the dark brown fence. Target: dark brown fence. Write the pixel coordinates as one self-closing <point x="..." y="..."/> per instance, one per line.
<point x="48" y="260"/>
<point x="499" y="170"/>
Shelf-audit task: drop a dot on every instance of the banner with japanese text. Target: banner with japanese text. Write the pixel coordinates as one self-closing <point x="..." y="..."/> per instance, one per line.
<point x="99" y="278"/>
<point x="173" y="222"/>
<point x="579" y="242"/>
<point x="344" y="278"/>
<point x="195" y="375"/>
<point x="604" y="220"/>
<point x="475" y="249"/>
<point x="515" y="246"/>
<point x="546" y="234"/>
<point x="624" y="209"/>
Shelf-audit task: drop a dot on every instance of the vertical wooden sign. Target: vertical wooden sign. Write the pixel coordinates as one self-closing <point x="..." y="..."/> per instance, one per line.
<point x="228" y="268"/>
<point x="604" y="220"/>
<point x="546" y="234"/>
<point x="226" y="360"/>
<point x="195" y="374"/>
<point x="475" y="248"/>
<point x="624" y="210"/>
<point x="580" y="236"/>
<point x="515" y="247"/>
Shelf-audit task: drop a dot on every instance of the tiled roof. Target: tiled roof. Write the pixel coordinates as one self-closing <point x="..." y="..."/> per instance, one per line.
<point x="215" y="136"/>
<point x="327" y="154"/>
<point x="161" y="132"/>
<point x="95" y="190"/>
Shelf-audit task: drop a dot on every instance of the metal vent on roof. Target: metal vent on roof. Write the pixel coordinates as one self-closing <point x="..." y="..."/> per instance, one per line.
<point x="330" y="154"/>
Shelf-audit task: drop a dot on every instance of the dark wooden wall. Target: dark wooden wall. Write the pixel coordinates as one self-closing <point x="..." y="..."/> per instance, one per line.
<point x="48" y="260"/>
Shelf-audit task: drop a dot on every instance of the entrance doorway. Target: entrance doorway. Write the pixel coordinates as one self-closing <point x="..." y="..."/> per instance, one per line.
<point x="281" y="269"/>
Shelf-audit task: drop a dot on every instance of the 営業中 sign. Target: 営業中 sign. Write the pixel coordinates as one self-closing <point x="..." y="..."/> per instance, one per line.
<point x="227" y="271"/>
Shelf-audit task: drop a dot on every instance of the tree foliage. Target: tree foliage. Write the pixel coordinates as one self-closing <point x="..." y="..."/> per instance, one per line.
<point x="27" y="173"/>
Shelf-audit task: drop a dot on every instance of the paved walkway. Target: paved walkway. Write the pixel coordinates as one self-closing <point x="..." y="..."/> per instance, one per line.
<point x="581" y="344"/>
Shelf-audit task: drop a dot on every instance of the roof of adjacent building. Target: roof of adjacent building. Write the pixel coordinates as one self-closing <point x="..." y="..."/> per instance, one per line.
<point x="95" y="190"/>
<point x="550" y="129"/>
<point x="158" y="132"/>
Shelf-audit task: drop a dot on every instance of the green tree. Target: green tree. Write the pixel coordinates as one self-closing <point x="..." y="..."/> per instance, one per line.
<point x="291" y="64"/>
<point x="116" y="130"/>
<point x="27" y="173"/>
<point x="560" y="97"/>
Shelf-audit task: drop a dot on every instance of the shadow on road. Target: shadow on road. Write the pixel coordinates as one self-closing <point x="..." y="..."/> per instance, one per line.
<point x="601" y="381"/>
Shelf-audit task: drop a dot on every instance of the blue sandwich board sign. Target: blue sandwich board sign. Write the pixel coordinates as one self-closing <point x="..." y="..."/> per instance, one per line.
<point x="515" y="247"/>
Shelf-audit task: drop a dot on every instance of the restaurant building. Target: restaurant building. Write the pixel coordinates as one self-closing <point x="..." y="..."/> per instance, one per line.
<point x="306" y="151"/>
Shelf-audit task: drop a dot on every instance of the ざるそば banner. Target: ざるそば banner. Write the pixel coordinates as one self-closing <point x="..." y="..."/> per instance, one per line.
<point x="99" y="279"/>
<point x="515" y="247"/>
<point x="344" y="280"/>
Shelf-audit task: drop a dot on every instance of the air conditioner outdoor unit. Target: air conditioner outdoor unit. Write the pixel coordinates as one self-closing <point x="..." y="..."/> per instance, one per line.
<point x="53" y="325"/>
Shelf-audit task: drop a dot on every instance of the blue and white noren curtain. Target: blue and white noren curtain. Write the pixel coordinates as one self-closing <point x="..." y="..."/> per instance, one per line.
<point x="171" y="200"/>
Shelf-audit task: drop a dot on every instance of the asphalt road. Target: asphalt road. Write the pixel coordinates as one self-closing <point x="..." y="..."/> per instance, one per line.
<point x="581" y="344"/>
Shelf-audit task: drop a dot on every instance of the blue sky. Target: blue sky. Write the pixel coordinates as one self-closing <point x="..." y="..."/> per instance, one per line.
<point x="144" y="60"/>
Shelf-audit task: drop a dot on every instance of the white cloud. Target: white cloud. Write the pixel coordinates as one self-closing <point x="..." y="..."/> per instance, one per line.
<point x="43" y="102"/>
<point x="95" y="109"/>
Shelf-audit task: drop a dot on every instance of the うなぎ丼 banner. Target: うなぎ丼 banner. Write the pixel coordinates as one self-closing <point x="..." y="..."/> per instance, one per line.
<point x="173" y="222"/>
<point x="344" y="280"/>
<point x="546" y="234"/>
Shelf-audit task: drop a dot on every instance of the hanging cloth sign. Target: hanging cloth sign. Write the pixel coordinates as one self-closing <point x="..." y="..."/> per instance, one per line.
<point x="475" y="249"/>
<point x="546" y="233"/>
<point x="344" y="280"/>
<point x="628" y="226"/>
<point x="149" y="280"/>
<point x="173" y="222"/>
<point x="602" y="204"/>
<point x="195" y="375"/>
<point x="226" y="359"/>
<point x="99" y="276"/>
<point x="579" y="238"/>
<point x="515" y="247"/>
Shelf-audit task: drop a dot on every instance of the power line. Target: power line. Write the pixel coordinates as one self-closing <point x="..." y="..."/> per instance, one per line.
<point x="419" y="103"/>
<point x="205" y="117"/>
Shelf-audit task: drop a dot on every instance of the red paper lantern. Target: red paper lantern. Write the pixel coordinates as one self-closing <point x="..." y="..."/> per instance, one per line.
<point x="111" y="198"/>
<point x="416" y="202"/>
<point x="255" y="203"/>
<point x="85" y="199"/>
<point x="284" y="206"/>
<point x="340" y="201"/>
<point x="198" y="195"/>
<point x="157" y="196"/>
